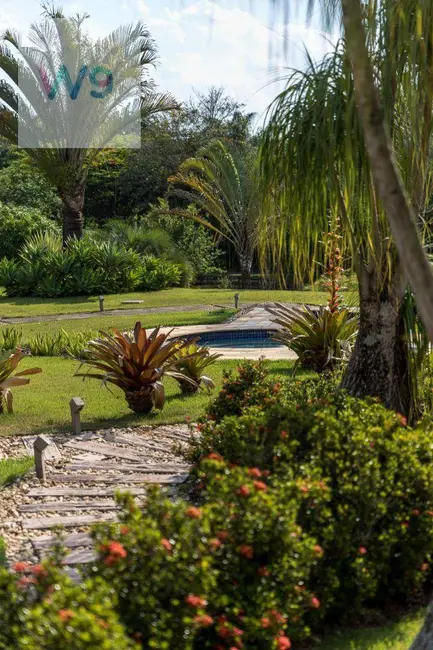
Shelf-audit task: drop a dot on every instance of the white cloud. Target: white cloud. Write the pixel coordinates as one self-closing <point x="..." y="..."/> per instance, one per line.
<point x="205" y="44"/>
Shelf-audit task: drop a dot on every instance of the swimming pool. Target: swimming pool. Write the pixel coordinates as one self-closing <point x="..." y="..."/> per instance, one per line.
<point x="239" y="339"/>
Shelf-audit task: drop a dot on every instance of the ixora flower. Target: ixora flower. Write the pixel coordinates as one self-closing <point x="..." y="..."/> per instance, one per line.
<point x="21" y="567"/>
<point x="115" y="551"/>
<point x="244" y="491"/>
<point x="362" y="550"/>
<point x="255" y="472"/>
<point x="193" y="512"/>
<point x="195" y="601"/>
<point x="247" y="551"/>
<point x="66" y="615"/>
<point x="283" y="643"/>
<point x="203" y="620"/>
<point x="166" y="544"/>
<point x="315" y="602"/>
<point x="260" y="486"/>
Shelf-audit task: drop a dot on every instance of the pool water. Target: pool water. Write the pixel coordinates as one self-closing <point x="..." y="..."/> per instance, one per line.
<point x="239" y="339"/>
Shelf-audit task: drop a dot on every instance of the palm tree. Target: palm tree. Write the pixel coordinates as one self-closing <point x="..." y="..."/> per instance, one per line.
<point x="64" y="144"/>
<point x="223" y="182"/>
<point x="314" y="159"/>
<point x="408" y="45"/>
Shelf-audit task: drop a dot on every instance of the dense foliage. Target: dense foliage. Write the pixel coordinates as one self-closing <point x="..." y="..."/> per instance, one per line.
<point x="17" y="224"/>
<point x="86" y="267"/>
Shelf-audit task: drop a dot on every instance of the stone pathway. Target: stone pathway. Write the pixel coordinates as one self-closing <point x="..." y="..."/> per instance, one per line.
<point x="80" y="486"/>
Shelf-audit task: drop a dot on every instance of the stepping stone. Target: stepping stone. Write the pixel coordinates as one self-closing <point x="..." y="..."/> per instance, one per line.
<point x="39" y="523"/>
<point x="66" y="506"/>
<point x="52" y="452"/>
<point x="106" y="450"/>
<point x="151" y="469"/>
<point x="81" y="492"/>
<point x="71" y="541"/>
<point x="136" y="441"/>
<point x="81" y="556"/>
<point x="132" y="302"/>
<point x="165" y="479"/>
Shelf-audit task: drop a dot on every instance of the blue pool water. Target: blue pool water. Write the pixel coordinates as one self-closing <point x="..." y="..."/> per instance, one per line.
<point x="239" y="339"/>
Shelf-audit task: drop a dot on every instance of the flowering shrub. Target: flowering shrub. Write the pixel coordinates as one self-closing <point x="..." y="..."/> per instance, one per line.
<point x="378" y="534"/>
<point x="230" y="574"/>
<point x="45" y="609"/>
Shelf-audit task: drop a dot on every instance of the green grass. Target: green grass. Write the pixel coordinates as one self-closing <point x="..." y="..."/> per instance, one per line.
<point x="125" y="322"/>
<point x="395" y="636"/>
<point x="12" y="468"/>
<point x="15" y="307"/>
<point x="43" y="405"/>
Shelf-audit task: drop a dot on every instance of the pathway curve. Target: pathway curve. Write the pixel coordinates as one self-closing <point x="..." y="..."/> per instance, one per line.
<point x="109" y="312"/>
<point x="80" y="486"/>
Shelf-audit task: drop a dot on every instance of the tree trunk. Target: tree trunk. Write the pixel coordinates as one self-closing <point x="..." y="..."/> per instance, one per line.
<point x="246" y="264"/>
<point x="386" y="176"/>
<point x="72" y="212"/>
<point x="379" y="365"/>
<point x="424" y="640"/>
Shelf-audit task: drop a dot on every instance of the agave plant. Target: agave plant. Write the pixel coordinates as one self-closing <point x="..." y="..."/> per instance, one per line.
<point x="191" y="360"/>
<point x="8" y="366"/>
<point x="136" y="364"/>
<point x="321" y="338"/>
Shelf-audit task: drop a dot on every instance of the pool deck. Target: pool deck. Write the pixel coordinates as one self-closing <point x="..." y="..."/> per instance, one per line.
<point x="256" y="318"/>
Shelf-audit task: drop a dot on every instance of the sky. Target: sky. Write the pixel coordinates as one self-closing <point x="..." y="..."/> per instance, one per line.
<point x="237" y="44"/>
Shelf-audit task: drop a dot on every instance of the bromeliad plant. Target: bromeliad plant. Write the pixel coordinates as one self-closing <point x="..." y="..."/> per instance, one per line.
<point x="9" y="380"/>
<point x="136" y="364"/>
<point x="191" y="361"/>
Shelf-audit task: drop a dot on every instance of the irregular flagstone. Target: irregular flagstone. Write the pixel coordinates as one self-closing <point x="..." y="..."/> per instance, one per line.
<point x="106" y="450"/>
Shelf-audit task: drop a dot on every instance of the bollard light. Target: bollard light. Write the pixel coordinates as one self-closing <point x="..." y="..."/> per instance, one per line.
<point x="39" y="446"/>
<point x="237" y="300"/>
<point x="77" y="405"/>
<point x="101" y="303"/>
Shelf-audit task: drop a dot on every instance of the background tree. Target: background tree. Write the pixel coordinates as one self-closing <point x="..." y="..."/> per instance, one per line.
<point x="223" y="182"/>
<point x="56" y="39"/>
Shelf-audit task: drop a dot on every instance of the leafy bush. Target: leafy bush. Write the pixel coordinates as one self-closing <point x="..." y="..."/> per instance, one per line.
<point x="86" y="267"/>
<point x="22" y="184"/>
<point x="45" y="609"/>
<point x="230" y="574"/>
<point x="17" y="224"/>
<point x="10" y="338"/>
<point x="378" y="533"/>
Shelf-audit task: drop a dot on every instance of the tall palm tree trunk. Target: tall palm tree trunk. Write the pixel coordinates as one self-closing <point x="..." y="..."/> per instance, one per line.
<point x="387" y="179"/>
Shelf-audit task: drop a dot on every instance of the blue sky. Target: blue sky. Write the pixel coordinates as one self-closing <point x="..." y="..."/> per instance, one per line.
<point x="200" y="42"/>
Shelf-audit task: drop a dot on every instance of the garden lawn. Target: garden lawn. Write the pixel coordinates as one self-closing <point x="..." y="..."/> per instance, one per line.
<point x="15" y="307"/>
<point x="12" y="468"/>
<point x="97" y="323"/>
<point x="395" y="636"/>
<point x="43" y="405"/>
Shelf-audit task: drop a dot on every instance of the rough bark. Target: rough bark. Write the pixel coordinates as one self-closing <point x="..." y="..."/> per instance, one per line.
<point x="424" y="640"/>
<point x="246" y="264"/>
<point x="379" y="365"/>
<point x="72" y="213"/>
<point x="386" y="176"/>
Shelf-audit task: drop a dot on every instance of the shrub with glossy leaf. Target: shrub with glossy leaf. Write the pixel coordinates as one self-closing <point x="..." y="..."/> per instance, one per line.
<point x="320" y="337"/>
<point x="136" y="364"/>
<point x="10" y="379"/>
<point x="378" y="533"/>
<point x="17" y="223"/>
<point x="233" y="573"/>
<point x="191" y="361"/>
<point x="47" y="610"/>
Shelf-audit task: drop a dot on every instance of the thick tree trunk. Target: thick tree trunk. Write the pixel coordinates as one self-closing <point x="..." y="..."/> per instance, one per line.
<point x="386" y="176"/>
<point x="379" y="365"/>
<point x="72" y="213"/>
<point x="246" y="264"/>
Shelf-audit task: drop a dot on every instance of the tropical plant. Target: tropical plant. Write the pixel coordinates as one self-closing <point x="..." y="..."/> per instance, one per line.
<point x="315" y="162"/>
<point x="319" y="337"/>
<point x="129" y="51"/>
<point x="10" y="338"/>
<point x="17" y="224"/>
<point x="136" y="364"/>
<point x="191" y="361"/>
<point x="223" y="182"/>
<point x="9" y="378"/>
